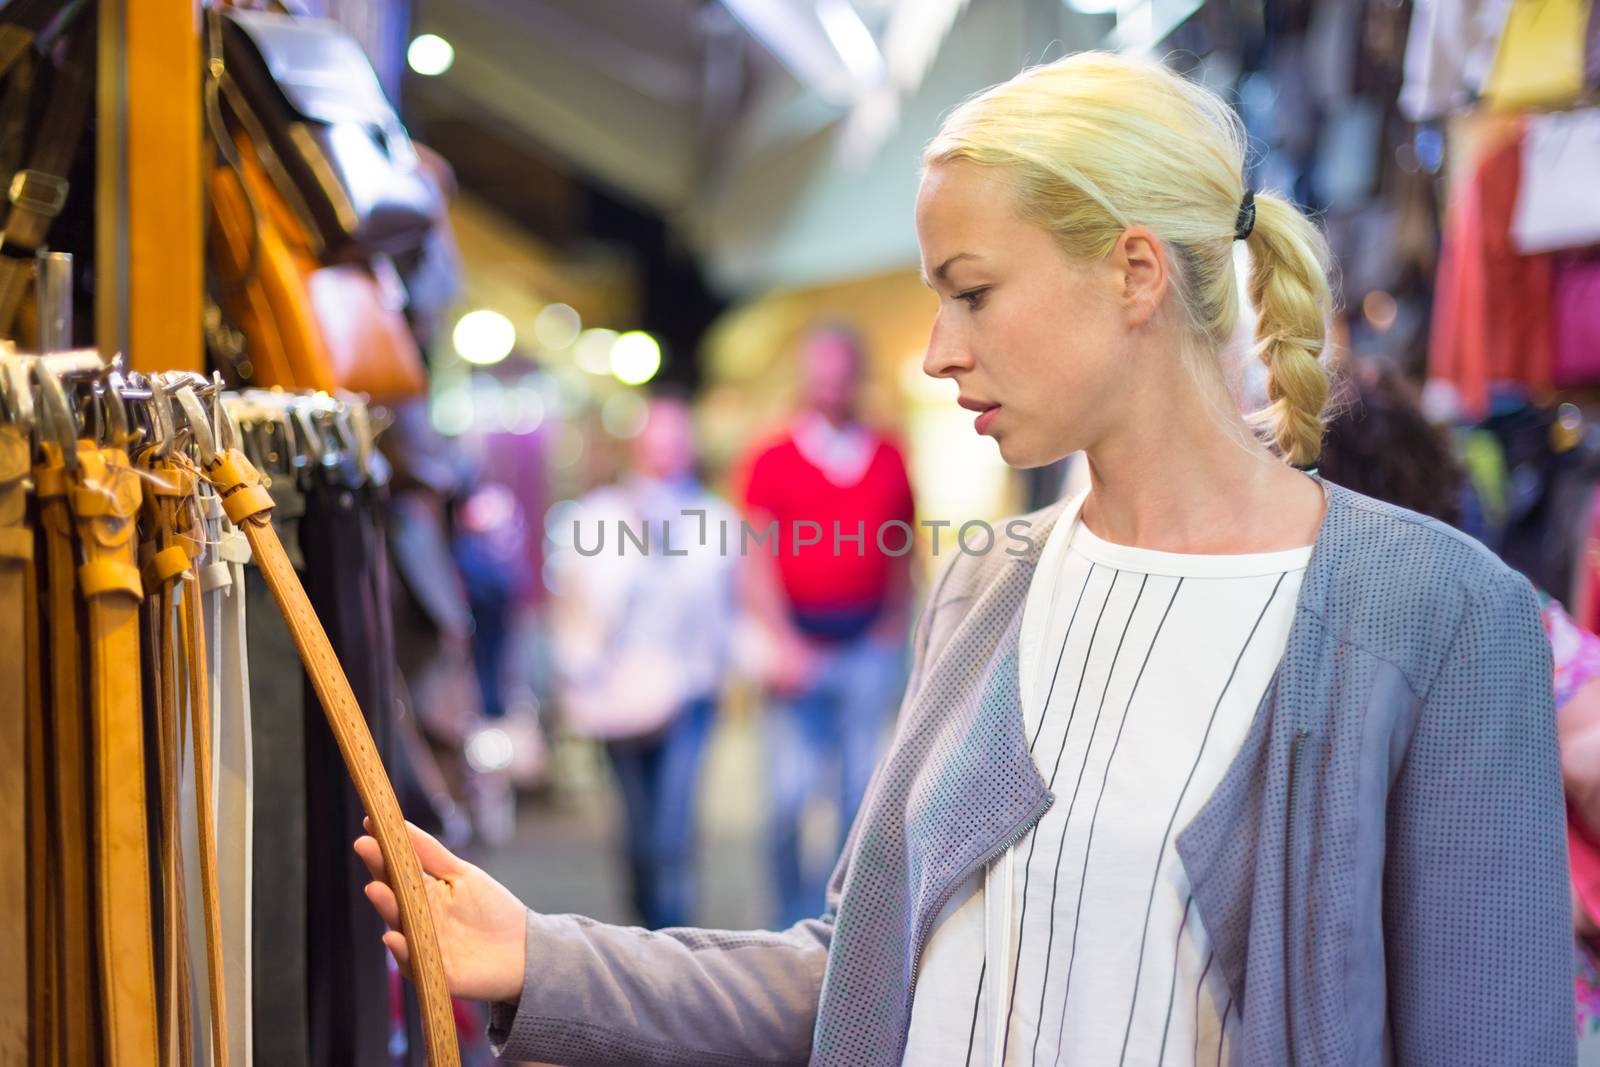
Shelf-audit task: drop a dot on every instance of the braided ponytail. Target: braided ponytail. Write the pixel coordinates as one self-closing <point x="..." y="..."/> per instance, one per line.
<point x="1288" y="285"/>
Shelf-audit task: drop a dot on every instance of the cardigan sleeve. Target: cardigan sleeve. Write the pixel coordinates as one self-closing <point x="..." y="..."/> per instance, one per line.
<point x="1477" y="920"/>
<point x="598" y="994"/>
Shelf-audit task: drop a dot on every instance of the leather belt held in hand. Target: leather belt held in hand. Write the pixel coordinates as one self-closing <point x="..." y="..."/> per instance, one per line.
<point x="248" y="504"/>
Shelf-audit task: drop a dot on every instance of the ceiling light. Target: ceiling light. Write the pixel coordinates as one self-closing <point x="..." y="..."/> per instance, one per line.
<point x="852" y="40"/>
<point x="430" y="55"/>
<point x="635" y="357"/>
<point x="484" y="337"/>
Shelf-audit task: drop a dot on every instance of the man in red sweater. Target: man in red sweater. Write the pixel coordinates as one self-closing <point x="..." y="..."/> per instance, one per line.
<point x="830" y="580"/>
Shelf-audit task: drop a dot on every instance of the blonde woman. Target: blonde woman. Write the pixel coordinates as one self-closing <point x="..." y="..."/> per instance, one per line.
<point x="1227" y="765"/>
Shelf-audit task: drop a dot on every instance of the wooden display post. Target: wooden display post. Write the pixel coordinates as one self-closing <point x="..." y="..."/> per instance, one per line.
<point x="150" y="244"/>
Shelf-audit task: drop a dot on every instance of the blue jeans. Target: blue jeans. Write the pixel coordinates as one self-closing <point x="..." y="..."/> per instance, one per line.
<point x="658" y="779"/>
<point x="838" y="723"/>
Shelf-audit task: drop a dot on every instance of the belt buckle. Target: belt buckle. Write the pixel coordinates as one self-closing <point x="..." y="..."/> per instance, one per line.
<point x="39" y="192"/>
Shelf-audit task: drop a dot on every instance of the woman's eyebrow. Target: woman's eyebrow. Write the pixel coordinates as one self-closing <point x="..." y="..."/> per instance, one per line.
<point x="942" y="269"/>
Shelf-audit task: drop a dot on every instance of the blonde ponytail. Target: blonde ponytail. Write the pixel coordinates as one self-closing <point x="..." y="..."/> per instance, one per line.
<point x="1289" y="289"/>
<point x="1095" y="143"/>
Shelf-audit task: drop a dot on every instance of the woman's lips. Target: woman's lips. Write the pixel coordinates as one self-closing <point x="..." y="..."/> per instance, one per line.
<point x="986" y="419"/>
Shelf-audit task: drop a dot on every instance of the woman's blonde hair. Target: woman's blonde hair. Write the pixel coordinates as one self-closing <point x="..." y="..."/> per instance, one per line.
<point x="1095" y="143"/>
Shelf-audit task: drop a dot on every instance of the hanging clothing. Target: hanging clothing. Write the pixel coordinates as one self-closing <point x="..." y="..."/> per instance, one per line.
<point x="1492" y="306"/>
<point x="1141" y="673"/>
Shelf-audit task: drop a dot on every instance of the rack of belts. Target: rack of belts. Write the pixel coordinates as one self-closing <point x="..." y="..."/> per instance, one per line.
<point x="124" y="500"/>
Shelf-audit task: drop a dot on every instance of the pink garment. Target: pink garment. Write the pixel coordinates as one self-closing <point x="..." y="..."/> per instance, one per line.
<point x="1576" y="654"/>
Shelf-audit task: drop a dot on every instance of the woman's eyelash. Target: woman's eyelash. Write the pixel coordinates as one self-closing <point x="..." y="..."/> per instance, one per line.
<point x="973" y="297"/>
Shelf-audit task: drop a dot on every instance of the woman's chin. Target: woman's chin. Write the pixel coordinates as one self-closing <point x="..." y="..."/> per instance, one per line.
<point x="1024" y="455"/>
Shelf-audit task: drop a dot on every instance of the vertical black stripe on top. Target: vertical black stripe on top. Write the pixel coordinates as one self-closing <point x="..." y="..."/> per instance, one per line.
<point x="1094" y="819"/>
<point x="1065" y="637"/>
<point x="977" y="999"/>
<point x="1173" y="818"/>
<point x="1033" y="838"/>
<point x="1055" y="880"/>
<point x="1222" y="1031"/>
<point x="1049" y="695"/>
<point x="1172" y="986"/>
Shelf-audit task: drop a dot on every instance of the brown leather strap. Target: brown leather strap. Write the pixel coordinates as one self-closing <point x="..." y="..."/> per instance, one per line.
<point x="248" y="506"/>
<point x="44" y="910"/>
<point x="105" y="498"/>
<point x="161" y="492"/>
<point x="21" y="791"/>
<point x="78" y="990"/>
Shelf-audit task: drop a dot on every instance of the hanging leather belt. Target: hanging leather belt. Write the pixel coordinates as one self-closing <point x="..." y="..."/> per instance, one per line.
<point x="78" y="991"/>
<point x="163" y="564"/>
<point x="222" y="589"/>
<point x="248" y="505"/>
<point x="22" y="820"/>
<point x="105" y="498"/>
<point x="171" y="579"/>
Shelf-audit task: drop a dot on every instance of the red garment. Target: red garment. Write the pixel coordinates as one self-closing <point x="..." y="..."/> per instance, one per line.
<point x="1491" y="308"/>
<point x="780" y="483"/>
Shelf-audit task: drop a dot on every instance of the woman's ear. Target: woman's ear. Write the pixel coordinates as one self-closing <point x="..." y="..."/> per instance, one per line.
<point x="1140" y="262"/>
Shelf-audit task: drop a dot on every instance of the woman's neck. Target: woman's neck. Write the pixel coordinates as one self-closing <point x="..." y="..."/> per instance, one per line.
<point x="1186" y="481"/>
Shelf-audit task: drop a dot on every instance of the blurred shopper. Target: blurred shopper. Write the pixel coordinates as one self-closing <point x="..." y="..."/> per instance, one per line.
<point x="1381" y="444"/>
<point x="643" y="622"/>
<point x="1284" y="791"/>
<point x="834" y="597"/>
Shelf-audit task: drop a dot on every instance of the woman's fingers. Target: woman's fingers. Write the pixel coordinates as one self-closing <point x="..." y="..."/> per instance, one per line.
<point x="383" y="899"/>
<point x="367" y="848"/>
<point x="395" y="942"/>
<point x="434" y="858"/>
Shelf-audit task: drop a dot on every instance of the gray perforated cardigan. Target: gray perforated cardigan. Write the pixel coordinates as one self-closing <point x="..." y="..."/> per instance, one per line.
<point x="1382" y="870"/>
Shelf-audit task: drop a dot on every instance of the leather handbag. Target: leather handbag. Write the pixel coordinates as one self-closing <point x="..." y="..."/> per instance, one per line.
<point x="306" y="326"/>
<point x="335" y="146"/>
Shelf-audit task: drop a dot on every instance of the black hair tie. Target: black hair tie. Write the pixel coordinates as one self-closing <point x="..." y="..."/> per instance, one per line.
<point x="1247" y="216"/>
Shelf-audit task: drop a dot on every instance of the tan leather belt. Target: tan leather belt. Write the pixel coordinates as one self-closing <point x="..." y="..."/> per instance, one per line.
<point x="248" y="506"/>
<point x="22" y="790"/>
<point x="74" y="1007"/>
<point x="105" y="497"/>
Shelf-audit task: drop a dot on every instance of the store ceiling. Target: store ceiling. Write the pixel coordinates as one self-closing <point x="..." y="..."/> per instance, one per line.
<point x="773" y="134"/>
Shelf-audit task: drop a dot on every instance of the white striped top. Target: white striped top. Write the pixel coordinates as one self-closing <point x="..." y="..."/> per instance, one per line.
<point x="1141" y="673"/>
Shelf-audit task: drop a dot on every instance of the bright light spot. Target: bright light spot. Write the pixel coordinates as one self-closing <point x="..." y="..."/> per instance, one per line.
<point x="594" y="350"/>
<point x="1094" y="7"/>
<point x="489" y="750"/>
<point x="484" y="337"/>
<point x="452" y="410"/>
<point x="623" y="414"/>
<point x="524" y="409"/>
<point x="557" y="327"/>
<point x="430" y="55"/>
<point x="635" y="358"/>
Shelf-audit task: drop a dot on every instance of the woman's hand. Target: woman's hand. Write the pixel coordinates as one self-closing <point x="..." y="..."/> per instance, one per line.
<point x="480" y="924"/>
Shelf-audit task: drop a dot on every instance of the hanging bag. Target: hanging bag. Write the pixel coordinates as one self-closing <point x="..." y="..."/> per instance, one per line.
<point x="1540" y="59"/>
<point x="307" y="323"/>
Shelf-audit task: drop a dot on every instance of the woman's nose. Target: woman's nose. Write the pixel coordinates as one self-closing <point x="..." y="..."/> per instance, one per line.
<point x="947" y="353"/>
